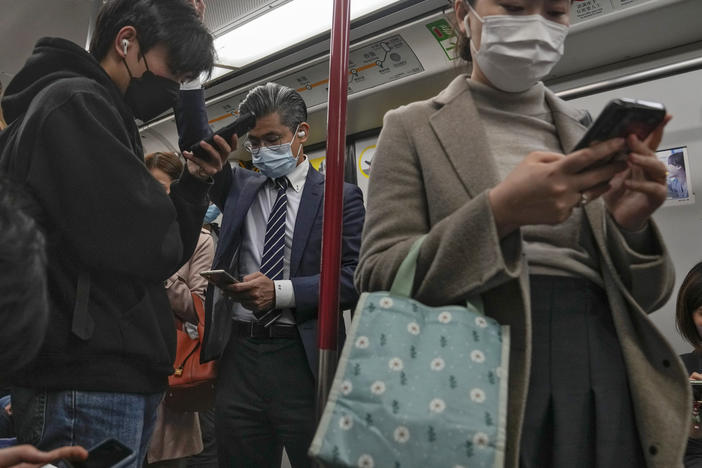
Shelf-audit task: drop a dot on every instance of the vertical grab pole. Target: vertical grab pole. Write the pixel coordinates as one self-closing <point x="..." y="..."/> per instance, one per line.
<point x="328" y="319"/>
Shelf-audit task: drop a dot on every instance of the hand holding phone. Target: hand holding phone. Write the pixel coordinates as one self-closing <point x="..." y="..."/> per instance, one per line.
<point x="110" y="453"/>
<point x="240" y="126"/>
<point x="219" y="278"/>
<point x="619" y="119"/>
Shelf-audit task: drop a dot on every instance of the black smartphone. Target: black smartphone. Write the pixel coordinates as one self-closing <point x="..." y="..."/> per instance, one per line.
<point x="240" y="126"/>
<point x="622" y="117"/>
<point x="219" y="278"/>
<point x="110" y="453"/>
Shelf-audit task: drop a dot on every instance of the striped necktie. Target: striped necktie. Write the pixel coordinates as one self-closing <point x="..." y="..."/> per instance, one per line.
<point x="274" y="244"/>
<point x="273" y="258"/>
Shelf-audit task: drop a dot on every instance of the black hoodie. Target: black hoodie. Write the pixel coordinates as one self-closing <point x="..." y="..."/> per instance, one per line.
<point x="74" y="144"/>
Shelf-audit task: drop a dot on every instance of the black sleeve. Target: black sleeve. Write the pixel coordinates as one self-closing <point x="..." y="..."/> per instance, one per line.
<point x="191" y="120"/>
<point x="101" y="199"/>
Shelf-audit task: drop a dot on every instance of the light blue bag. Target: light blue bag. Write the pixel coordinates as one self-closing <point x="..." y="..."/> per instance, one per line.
<point x="416" y="386"/>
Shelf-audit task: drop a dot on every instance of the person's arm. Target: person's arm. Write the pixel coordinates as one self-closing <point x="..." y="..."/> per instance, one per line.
<point x="192" y="124"/>
<point x="642" y="262"/>
<point x="462" y="254"/>
<point x="306" y="288"/>
<point x="187" y="280"/>
<point x="100" y="197"/>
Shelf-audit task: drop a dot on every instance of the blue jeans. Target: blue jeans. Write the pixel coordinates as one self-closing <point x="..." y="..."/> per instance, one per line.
<point x="51" y="419"/>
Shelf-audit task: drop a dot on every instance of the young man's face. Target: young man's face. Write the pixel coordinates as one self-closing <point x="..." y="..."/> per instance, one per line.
<point x="156" y="59"/>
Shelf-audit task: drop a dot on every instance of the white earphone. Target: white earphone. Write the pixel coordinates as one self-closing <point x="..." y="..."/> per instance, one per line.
<point x="125" y="45"/>
<point x="301" y="133"/>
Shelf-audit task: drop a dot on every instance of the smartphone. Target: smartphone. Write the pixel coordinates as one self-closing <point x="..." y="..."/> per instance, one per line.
<point x="219" y="278"/>
<point x="621" y="118"/>
<point x="110" y="453"/>
<point x="240" y="126"/>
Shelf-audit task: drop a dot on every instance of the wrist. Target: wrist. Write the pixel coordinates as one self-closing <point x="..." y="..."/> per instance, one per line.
<point x="500" y="215"/>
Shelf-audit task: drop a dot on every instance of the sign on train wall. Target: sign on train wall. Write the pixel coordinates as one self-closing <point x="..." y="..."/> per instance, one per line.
<point x="584" y="10"/>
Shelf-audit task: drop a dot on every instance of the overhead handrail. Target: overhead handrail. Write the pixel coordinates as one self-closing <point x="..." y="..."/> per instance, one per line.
<point x="632" y="79"/>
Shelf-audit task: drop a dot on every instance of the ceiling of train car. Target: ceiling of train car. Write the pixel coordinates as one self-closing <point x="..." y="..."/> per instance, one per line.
<point x="23" y="22"/>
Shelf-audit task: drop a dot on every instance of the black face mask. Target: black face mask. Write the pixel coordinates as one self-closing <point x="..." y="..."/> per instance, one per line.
<point x="150" y="95"/>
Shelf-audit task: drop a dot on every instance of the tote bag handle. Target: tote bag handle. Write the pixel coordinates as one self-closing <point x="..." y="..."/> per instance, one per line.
<point x="404" y="278"/>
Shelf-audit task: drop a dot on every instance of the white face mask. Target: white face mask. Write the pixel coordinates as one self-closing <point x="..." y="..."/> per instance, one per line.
<point x="516" y="52"/>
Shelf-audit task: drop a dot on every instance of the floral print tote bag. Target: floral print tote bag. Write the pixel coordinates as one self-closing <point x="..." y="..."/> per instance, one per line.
<point x="416" y="386"/>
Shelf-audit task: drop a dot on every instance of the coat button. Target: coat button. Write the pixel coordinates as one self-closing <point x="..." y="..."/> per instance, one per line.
<point x="666" y="363"/>
<point x="653" y="450"/>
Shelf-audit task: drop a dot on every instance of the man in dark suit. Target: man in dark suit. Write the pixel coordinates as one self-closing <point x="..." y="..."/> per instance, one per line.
<point x="264" y="327"/>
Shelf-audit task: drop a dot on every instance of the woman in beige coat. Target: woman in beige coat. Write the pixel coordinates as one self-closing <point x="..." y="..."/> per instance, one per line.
<point x="561" y="250"/>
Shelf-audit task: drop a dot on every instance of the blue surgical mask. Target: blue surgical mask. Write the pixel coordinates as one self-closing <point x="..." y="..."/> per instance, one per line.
<point x="211" y="215"/>
<point x="277" y="161"/>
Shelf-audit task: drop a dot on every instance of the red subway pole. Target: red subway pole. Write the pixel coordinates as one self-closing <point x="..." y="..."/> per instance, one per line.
<point x="328" y="318"/>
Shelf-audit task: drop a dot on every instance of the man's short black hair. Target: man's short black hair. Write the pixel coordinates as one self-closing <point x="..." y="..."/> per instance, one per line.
<point x="24" y="307"/>
<point x="175" y="23"/>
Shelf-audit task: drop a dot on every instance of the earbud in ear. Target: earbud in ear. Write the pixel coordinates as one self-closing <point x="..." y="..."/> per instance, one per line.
<point x="125" y="45"/>
<point x="301" y="133"/>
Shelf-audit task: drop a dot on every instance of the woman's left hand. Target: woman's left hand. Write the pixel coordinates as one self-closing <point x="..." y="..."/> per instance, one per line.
<point x="217" y="159"/>
<point x="640" y="189"/>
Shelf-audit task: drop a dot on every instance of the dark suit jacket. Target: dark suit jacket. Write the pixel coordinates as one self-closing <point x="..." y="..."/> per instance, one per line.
<point x="234" y="192"/>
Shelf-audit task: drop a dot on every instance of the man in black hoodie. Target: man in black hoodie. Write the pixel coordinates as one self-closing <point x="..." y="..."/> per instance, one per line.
<point x="113" y="235"/>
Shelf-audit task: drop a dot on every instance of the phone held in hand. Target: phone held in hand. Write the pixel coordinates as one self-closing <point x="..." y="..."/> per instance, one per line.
<point x="622" y="117"/>
<point x="240" y="126"/>
<point x="110" y="453"/>
<point x="219" y="278"/>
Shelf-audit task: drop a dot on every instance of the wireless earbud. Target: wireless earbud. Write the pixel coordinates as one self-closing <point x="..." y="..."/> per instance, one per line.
<point x="301" y="133"/>
<point x="125" y="45"/>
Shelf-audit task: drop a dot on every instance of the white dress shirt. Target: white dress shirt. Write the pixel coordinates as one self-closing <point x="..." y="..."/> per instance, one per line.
<point x="253" y="238"/>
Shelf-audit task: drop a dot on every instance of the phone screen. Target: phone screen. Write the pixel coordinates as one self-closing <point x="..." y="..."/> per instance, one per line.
<point x="106" y="454"/>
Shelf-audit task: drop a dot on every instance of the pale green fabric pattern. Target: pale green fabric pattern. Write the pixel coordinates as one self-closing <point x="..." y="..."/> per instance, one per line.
<point x="416" y="387"/>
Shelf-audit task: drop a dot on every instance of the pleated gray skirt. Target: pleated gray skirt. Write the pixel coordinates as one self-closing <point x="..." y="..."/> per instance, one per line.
<point x="579" y="411"/>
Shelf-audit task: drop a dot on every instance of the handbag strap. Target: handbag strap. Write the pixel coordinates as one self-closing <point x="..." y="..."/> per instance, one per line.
<point x="404" y="278"/>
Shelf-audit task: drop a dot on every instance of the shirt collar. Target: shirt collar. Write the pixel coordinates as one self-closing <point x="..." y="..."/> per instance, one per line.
<point x="298" y="175"/>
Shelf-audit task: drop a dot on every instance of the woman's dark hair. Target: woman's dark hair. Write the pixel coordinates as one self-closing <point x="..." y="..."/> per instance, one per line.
<point x="174" y="23"/>
<point x="271" y="97"/>
<point x="167" y="162"/>
<point x="689" y="300"/>
<point x="677" y="159"/>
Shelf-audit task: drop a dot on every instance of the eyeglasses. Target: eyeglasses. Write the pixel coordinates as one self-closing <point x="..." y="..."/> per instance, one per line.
<point x="273" y="145"/>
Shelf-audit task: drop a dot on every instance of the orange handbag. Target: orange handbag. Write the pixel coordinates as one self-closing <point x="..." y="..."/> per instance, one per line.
<point x="191" y="387"/>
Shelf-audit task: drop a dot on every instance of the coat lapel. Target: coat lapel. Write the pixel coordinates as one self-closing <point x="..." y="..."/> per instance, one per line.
<point x="243" y="202"/>
<point x="465" y="145"/>
<point x="310" y="203"/>
<point x="568" y="121"/>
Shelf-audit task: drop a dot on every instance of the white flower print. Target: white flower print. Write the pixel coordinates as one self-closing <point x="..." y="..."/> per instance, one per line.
<point x="499" y="372"/>
<point x="402" y="434"/>
<point x="413" y="328"/>
<point x="480" y="439"/>
<point x="438" y="364"/>
<point x="477" y="395"/>
<point x="385" y="303"/>
<point x="481" y="322"/>
<point x="362" y="342"/>
<point x="378" y="387"/>
<point x="437" y="405"/>
<point x="346" y="387"/>
<point x="445" y="317"/>
<point x="346" y="423"/>
<point x="396" y="364"/>
<point x="477" y="356"/>
<point x="365" y="461"/>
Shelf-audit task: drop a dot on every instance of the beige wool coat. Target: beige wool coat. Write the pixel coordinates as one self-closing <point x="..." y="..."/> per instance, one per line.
<point x="431" y="174"/>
